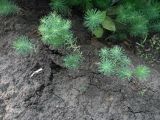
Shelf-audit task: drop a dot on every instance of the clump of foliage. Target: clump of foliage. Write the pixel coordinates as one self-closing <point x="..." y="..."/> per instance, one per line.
<point x="55" y="31"/>
<point x="125" y="73"/>
<point x="72" y="61"/>
<point x="60" y="6"/>
<point x="139" y="17"/>
<point x="114" y="62"/>
<point x="94" y="18"/>
<point x="142" y="72"/>
<point x="64" y="6"/>
<point x="7" y="7"/>
<point x="96" y="21"/>
<point x="23" y="46"/>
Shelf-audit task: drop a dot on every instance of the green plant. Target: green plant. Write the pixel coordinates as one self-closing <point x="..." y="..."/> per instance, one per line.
<point x="94" y="18"/>
<point x="23" y="46"/>
<point x="96" y="21"/>
<point x="142" y="92"/>
<point x="107" y="67"/>
<point x="114" y="62"/>
<point x="72" y="61"/>
<point x="116" y="53"/>
<point x="55" y="31"/>
<point x="142" y="72"/>
<point x="139" y="17"/>
<point x="89" y="4"/>
<point x="64" y="6"/>
<point x="102" y="4"/>
<point x="125" y="73"/>
<point x="7" y="7"/>
<point x="130" y="17"/>
<point x="60" y="6"/>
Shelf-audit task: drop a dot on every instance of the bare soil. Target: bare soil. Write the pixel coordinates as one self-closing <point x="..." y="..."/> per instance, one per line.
<point x="56" y="93"/>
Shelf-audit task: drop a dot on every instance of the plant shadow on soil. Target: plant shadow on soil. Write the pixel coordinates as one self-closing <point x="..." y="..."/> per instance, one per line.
<point x="60" y="94"/>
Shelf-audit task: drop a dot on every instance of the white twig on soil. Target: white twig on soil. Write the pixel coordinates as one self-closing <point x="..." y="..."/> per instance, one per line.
<point x="36" y="72"/>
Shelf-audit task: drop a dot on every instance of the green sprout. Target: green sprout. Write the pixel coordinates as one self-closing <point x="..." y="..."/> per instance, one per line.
<point x="23" y="46"/>
<point x="107" y="67"/>
<point x="142" y="72"/>
<point x="104" y="53"/>
<point x="7" y="7"/>
<point x="72" y="61"/>
<point x="116" y="53"/>
<point x="93" y="19"/>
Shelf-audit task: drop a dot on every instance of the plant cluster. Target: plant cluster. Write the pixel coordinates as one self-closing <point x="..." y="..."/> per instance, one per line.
<point x="7" y="7"/>
<point x="135" y="18"/>
<point x="64" y="6"/>
<point x="56" y="32"/>
<point x="114" y="62"/>
<point x="23" y="46"/>
<point x="96" y="19"/>
<point x="139" y="17"/>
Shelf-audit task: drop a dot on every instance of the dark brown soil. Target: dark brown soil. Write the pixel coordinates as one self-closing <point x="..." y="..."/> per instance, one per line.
<point x="56" y="93"/>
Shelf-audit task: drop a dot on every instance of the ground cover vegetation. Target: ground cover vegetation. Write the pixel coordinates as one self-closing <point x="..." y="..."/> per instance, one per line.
<point x="114" y="62"/>
<point x="149" y="49"/>
<point x="124" y="19"/>
<point x="7" y="7"/>
<point x="23" y="45"/>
